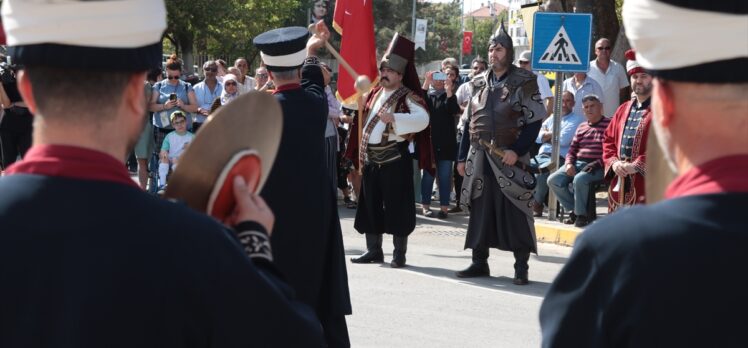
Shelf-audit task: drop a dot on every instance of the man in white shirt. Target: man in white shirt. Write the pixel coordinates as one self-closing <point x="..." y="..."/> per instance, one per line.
<point x="581" y="85"/>
<point x="611" y="76"/>
<point x="525" y="62"/>
<point x="206" y="92"/>
<point x="393" y="112"/>
<point x="246" y="82"/>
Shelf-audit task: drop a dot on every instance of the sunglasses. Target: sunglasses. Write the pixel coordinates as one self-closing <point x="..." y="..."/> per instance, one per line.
<point x="229" y="83"/>
<point x="211" y="69"/>
<point x="176" y="123"/>
<point x="173" y="77"/>
<point x="523" y="63"/>
<point x="607" y="48"/>
<point x="262" y="75"/>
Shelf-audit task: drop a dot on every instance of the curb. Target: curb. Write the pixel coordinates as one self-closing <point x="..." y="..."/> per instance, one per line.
<point x="552" y="233"/>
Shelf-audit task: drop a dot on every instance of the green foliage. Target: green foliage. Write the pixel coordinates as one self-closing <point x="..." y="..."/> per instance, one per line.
<point x="224" y="28"/>
<point x="482" y="30"/>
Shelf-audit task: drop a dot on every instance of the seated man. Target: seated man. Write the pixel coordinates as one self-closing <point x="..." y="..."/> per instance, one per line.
<point x="583" y="163"/>
<point x="174" y="144"/>
<point x="569" y="123"/>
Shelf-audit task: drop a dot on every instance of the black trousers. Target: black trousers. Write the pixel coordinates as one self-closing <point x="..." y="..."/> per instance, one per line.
<point x="15" y="134"/>
<point x="386" y="203"/>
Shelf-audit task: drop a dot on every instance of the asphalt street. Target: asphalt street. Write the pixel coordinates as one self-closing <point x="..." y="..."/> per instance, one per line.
<point x="425" y="305"/>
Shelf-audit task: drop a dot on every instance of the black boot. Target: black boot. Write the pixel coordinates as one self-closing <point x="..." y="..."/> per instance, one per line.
<point x="398" y="255"/>
<point x="521" y="267"/>
<point x="373" y="252"/>
<point x="479" y="267"/>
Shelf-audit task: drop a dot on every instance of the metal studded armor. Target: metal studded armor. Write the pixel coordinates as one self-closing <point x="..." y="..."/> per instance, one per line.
<point x="498" y="112"/>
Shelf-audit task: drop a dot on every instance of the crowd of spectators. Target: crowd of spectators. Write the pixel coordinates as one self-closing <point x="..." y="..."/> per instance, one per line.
<point x="587" y="101"/>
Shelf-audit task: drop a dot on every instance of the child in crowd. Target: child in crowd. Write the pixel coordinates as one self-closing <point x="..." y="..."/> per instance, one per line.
<point x="174" y="145"/>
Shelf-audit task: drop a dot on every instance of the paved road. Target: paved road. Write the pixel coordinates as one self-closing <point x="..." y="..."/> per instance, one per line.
<point x="425" y="305"/>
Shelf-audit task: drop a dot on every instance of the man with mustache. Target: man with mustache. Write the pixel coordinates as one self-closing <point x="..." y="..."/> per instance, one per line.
<point x="395" y="112"/>
<point x="506" y="112"/>
<point x="672" y="273"/>
<point x="625" y="142"/>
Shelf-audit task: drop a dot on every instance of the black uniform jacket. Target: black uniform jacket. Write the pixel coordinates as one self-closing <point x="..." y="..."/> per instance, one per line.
<point x="88" y="263"/>
<point x="307" y="239"/>
<point x="672" y="274"/>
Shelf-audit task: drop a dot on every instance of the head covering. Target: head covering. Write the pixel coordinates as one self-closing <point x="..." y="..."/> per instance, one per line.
<point x="175" y="114"/>
<point x="122" y="35"/>
<point x="400" y="53"/>
<point x="525" y="56"/>
<point x="690" y="40"/>
<point x="632" y="66"/>
<point x="282" y="49"/>
<point x="225" y="96"/>
<point x="400" y="57"/>
<point x="501" y="37"/>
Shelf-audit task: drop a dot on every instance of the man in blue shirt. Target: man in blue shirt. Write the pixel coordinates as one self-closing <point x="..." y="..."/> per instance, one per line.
<point x="206" y="92"/>
<point x="569" y="123"/>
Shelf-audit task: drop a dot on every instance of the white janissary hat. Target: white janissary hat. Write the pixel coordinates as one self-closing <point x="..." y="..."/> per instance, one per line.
<point x="690" y="40"/>
<point x="122" y="35"/>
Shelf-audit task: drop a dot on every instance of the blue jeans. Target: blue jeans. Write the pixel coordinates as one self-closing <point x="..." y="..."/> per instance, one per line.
<point x="541" y="188"/>
<point x="577" y="200"/>
<point x="444" y="173"/>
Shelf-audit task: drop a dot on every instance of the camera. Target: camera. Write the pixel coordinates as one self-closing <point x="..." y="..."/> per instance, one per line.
<point x="173" y="97"/>
<point x="439" y="76"/>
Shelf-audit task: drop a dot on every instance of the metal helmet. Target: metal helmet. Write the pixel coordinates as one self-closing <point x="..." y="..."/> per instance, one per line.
<point x="501" y="37"/>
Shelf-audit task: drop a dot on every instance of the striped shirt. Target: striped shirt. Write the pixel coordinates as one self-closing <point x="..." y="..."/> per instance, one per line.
<point x="587" y="144"/>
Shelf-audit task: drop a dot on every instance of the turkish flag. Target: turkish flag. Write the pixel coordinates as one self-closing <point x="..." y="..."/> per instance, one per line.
<point x="467" y="42"/>
<point x="354" y="21"/>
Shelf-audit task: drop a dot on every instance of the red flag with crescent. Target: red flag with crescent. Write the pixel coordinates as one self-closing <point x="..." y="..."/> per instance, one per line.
<point x="354" y="21"/>
<point x="467" y="42"/>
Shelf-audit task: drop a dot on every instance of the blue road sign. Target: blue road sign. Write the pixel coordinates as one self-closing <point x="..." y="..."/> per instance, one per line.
<point x="561" y="41"/>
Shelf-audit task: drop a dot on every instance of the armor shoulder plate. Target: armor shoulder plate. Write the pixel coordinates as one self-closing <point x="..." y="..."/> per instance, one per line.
<point x="479" y="81"/>
<point x="519" y="77"/>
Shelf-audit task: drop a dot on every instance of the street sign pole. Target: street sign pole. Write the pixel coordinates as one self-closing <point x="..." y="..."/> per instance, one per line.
<point x="555" y="141"/>
<point x="561" y="43"/>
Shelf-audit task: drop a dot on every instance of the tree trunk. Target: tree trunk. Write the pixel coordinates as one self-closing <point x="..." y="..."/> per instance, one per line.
<point x="185" y="43"/>
<point x="621" y="46"/>
<point x="604" y="20"/>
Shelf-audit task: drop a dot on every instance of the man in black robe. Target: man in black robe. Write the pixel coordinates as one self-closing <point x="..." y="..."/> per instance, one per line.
<point x="308" y="240"/>
<point x="506" y="113"/>
<point x="87" y="259"/>
<point x="671" y="274"/>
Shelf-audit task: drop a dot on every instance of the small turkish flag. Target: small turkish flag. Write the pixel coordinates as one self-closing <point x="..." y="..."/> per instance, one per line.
<point x="467" y="42"/>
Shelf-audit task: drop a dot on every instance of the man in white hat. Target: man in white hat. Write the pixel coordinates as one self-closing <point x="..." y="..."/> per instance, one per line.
<point x="307" y="238"/>
<point x="625" y="142"/>
<point x="87" y="259"/>
<point x="672" y="273"/>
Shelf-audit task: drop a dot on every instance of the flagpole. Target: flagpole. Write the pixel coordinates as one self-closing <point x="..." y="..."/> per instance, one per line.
<point x="462" y="29"/>
<point x="413" y="23"/>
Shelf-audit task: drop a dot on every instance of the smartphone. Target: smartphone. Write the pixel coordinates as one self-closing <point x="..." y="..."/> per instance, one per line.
<point x="439" y="76"/>
<point x="173" y="97"/>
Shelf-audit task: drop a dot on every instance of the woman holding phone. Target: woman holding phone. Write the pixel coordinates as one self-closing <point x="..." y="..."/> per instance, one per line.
<point x="440" y="87"/>
<point x="169" y="95"/>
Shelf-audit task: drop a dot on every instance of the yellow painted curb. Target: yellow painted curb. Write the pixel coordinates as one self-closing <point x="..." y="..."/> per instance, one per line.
<point x="548" y="233"/>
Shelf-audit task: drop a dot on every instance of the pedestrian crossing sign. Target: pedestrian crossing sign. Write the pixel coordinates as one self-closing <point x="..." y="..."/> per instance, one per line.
<point x="561" y="42"/>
